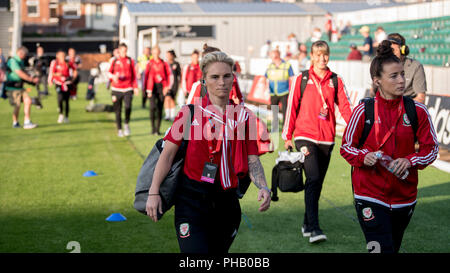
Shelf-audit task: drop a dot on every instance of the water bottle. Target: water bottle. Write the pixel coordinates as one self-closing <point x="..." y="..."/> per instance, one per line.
<point x="386" y="160"/>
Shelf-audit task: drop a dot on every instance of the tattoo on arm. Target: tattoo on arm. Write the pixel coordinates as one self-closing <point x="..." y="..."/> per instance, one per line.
<point x="256" y="171"/>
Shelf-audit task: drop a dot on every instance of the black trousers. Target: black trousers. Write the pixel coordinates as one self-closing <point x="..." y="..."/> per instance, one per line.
<point x="205" y="221"/>
<point x="275" y="100"/>
<point x="382" y="225"/>
<point x="156" y="107"/>
<point x="315" y="166"/>
<point x="126" y="98"/>
<point x="63" y="101"/>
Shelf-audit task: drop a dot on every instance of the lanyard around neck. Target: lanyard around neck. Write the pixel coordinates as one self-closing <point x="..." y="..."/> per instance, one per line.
<point x="319" y="89"/>
<point x="211" y="150"/>
<point x="377" y="122"/>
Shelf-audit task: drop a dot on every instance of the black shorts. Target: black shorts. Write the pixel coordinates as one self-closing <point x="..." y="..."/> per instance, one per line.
<point x="172" y="93"/>
<point x="206" y="221"/>
<point x="383" y="227"/>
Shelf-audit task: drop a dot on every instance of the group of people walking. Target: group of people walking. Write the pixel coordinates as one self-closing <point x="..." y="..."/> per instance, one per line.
<point x="207" y="210"/>
<point x="61" y="72"/>
<point x="378" y="128"/>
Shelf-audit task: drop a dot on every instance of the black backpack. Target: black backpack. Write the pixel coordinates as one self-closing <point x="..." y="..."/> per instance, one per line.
<point x="410" y="108"/>
<point x="304" y="82"/>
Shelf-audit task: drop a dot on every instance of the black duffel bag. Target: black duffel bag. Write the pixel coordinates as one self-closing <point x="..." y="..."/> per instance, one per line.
<point x="288" y="177"/>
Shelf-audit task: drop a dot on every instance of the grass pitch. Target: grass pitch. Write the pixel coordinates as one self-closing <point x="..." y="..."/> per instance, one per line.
<point x="45" y="202"/>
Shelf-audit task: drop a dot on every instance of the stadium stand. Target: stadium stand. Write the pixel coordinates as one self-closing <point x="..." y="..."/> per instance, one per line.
<point x="428" y="39"/>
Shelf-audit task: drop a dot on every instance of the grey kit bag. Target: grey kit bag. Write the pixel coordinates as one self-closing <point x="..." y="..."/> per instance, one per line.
<point x="169" y="184"/>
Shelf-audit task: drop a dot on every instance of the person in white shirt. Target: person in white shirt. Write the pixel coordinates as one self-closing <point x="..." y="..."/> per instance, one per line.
<point x="265" y="49"/>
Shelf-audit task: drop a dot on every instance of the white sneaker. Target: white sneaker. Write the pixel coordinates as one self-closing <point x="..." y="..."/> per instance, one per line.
<point x="126" y="130"/>
<point x="120" y="133"/>
<point x="66" y="120"/>
<point x="305" y="233"/>
<point x="29" y="125"/>
<point x="60" y="119"/>
<point x="317" y="236"/>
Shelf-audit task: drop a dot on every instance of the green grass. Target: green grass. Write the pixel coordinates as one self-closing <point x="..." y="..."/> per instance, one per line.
<point x="45" y="202"/>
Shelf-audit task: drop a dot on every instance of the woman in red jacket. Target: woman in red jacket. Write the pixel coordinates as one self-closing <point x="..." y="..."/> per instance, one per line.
<point x="313" y="124"/>
<point x="158" y="80"/>
<point x="207" y="210"/>
<point x="62" y="73"/>
<point x="191" y="73"/>
<point x="384" y="202"/>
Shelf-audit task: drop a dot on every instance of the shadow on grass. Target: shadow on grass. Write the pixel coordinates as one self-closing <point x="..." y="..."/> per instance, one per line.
<point x="55" y="147"/>
<point x="441" y="189"/>
<point x="274" y="231"/>
<point x="50" y="233"/>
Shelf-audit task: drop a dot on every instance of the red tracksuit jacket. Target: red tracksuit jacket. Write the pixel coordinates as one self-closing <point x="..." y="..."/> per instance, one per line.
<point x="376" y="184"/>
<point x="157" y="71"/>
<point x="60" y="72"/>
<point x="191" y="74"/>
<point x="231" y="157"/>
<point x="306" y="125"/>
<point x="124" y="68"/>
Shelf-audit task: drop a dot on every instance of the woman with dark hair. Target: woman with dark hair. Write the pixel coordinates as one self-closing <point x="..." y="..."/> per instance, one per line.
<point x="385" y="161"/>
<point x="416" y="84"/>
<point x="170" y="97"/>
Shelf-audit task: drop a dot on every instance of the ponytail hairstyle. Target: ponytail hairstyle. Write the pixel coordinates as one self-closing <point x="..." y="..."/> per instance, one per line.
<point x="396" y="38"/>
<point x="385" y="55"/>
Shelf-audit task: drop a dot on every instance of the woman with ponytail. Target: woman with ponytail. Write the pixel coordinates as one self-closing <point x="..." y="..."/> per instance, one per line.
<point x="385" y="197"/>
<point x="415" y="81"/>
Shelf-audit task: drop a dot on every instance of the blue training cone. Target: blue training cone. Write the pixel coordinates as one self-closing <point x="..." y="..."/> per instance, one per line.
<point x="116" y="217"/>
<point x="89" y="174"/>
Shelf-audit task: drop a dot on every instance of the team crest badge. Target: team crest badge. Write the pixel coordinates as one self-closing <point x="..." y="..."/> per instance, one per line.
<point x="184" y="230"/>
<point x="406" y="121"/>
<point x="367" y="214"/>
<point x="331" y="83"/>
<point x="304" y="150"/>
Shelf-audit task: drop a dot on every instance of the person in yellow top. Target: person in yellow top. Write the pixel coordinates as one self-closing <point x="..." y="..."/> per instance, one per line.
<point x="278" y="74"/>
<point x="141" y="65"/>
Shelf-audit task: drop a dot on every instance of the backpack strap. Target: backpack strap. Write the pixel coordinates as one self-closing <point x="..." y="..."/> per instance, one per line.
<point x="410" y="109"/>
<point x="369" y="120"/>
<point x="303" y="83"/>
<point x="411" y="112"/>
<point x="115" y="60"/>
<point x="274" y="189"/>
<point x="305" y="78"/>
<point x="188" y="125"/>
<point x="334" y="79"/>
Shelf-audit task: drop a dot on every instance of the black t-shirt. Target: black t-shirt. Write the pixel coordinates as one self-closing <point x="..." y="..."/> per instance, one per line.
<point x="176" y="72"/>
